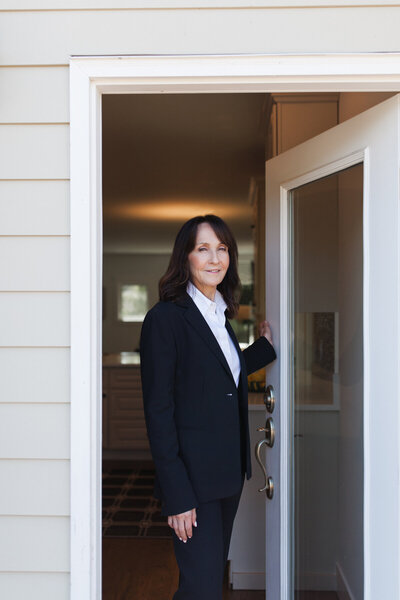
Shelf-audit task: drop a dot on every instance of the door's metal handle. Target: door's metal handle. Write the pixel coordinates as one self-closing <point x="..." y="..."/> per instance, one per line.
<point x="269" y="431"/>
<point x="269" y="482"/>
<point x="269" y="398"/>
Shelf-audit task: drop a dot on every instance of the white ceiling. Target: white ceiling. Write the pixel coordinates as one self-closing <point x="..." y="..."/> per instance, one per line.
<point x="167" y="158"/>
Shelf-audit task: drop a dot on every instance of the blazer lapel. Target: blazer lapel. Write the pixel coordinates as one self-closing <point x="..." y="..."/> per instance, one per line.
<point x="198" y="322"/>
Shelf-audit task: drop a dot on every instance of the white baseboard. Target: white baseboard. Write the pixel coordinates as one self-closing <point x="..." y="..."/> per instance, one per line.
<point x="316" y="580"/>
<point x="248" y="581"/>
<point x="256" y="581"/>
<point x="343" y="588"/>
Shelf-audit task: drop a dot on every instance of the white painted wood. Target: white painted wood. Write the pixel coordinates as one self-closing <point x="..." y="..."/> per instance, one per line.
<point x="89" y="78"/>
<point x="86" y="360"/>
<point x="34" y="431"/>
<point x="46" y="88"/>
<point x="249" y="73"/>
<point x="34" y="207"/>
<point x="35" y="586"/>
<point x="46" y="375"/>
<point x="247" y="547"/>
<point x="182" y="4"/>
<point x="248" y="581"/>
<point x="372" y="136"/>
<point x="34" y="151"/>
<point x="34" y="263"/>
<point x="138" y="32"/>
<point x="34" y="543"/>
<point x="35" y="318"/>
<point x="34" y="487"/>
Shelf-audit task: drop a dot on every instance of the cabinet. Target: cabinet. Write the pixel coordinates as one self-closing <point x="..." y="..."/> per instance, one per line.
<point x="124" y="426"/>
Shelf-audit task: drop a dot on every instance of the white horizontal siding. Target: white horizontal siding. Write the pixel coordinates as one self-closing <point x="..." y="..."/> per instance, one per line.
<point x="172" y="4"/>
<point x="45" y="544"/>
<point x="46" y="88"/>
<point x="34" y="208"/>
<point x="34" y="151"/>
<point x="51" y="37"/>
<point x="34" y="375"/>
<point x="34" y="487"/>
<point x="34" y="263"/>
<point x="34" y="431"/>
<point x="34" y="332"/>
<point x="34" y="586"/>
<point x="34" y="319"/>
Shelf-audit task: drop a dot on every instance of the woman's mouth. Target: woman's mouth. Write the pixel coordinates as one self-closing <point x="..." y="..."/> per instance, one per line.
<point x="212" y="270"/>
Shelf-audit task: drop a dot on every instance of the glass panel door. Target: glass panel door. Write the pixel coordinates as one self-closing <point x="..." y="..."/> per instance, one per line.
<point x="333" y="298"/>
<point x="326" y="224"/>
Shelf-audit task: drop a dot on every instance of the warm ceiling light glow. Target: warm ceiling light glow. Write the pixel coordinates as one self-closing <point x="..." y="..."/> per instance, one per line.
<point x="176" y="210"/>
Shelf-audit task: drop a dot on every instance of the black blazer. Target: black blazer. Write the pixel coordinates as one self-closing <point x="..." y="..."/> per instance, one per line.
<point x="196" y="417"/>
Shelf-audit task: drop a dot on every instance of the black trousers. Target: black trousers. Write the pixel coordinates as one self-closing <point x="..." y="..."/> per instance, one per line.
<point x="202" y="559"/>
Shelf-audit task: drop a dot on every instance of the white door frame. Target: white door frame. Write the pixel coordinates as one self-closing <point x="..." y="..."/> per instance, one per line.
<point x="90" y="77"/>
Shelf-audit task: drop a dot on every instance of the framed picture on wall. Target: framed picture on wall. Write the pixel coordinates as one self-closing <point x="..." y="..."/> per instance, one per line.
<point x="316" y="369"/>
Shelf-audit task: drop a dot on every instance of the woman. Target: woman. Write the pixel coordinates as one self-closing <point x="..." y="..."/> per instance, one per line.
<point x="194" y="380"/>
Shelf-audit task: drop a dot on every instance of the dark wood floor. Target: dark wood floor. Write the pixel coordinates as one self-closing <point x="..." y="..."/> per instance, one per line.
<point x="138" y="569"/>
<point x="146" y="569"/>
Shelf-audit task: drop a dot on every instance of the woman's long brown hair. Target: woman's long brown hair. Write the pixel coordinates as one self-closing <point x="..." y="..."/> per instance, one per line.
<point x="172" y="284"/>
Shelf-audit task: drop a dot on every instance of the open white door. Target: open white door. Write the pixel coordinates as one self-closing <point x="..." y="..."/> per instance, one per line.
<point x="332" y="290"/>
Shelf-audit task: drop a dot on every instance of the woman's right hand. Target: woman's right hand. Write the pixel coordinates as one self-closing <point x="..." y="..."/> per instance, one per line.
<point x="182" y="524"/>
<point x="264" y="329"/>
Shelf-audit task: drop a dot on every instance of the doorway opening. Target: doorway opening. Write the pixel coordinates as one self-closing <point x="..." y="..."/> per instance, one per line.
<point x="165" y="159"/>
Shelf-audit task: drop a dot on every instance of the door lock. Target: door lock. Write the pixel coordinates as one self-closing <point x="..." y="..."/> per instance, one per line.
<point x="269" y="431"/>
<point x="269" y="398"/>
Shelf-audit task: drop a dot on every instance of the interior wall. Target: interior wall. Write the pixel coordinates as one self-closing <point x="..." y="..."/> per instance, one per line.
<point x="145" y="269"/>
<point x="353" y="103"/>
<point x="317" y="246"/>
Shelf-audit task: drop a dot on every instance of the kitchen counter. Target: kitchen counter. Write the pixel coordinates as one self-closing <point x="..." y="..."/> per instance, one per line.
<point x="121" y="359"/>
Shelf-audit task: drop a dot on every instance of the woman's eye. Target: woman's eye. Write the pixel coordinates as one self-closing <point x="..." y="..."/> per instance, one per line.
<point x="222" y="248"/>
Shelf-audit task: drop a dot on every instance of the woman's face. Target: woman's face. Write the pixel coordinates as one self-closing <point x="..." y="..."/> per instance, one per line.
<point x="208" y="261"/>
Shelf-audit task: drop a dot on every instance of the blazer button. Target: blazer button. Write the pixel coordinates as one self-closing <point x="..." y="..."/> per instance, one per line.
<point x="229" y="394"/>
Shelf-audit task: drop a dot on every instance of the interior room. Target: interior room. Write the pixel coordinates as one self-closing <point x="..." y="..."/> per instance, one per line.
<point x="167" y="158"/>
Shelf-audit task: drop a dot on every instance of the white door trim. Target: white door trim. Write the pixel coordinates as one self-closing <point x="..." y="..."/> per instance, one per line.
<point x="90" y="77"/>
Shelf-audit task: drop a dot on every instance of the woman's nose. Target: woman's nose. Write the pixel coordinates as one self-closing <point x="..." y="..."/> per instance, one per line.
<point x="214" y="257"/>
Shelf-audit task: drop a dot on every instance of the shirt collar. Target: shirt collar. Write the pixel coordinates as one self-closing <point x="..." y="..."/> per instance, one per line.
<point x="205" y="304"/>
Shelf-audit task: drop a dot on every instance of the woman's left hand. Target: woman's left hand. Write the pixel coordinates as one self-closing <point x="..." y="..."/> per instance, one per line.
<point x="265" y="330"/>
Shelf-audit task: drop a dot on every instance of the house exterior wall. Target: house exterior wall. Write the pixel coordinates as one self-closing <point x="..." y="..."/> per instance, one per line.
<point x="36" y="41"/>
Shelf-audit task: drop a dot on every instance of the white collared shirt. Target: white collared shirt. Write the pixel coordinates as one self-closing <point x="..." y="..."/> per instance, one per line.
<point x="214" y="314"/>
